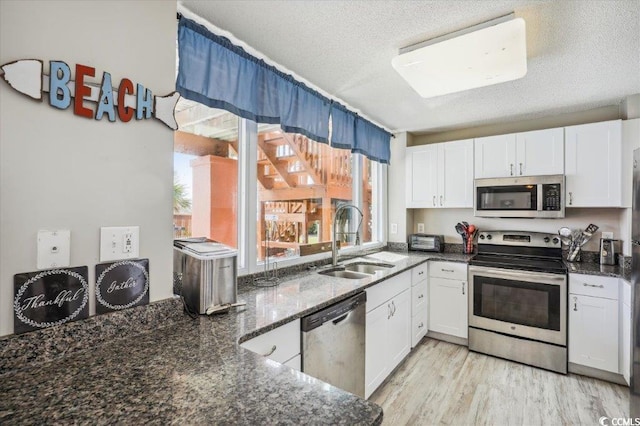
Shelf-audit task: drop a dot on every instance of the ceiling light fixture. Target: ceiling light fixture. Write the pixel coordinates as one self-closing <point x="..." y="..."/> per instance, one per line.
<point x="489" y="53"/>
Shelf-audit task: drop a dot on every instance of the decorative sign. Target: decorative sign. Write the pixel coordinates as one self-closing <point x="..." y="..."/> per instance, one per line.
<point x="121" y="285"/>
<point x="48" y="298"/>
<point x="26" y="76"/>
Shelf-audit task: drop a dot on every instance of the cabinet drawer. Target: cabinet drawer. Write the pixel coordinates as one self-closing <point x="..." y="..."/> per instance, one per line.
<point x="419" y="298"/>
<point x="380" y="293"/>
<point x="419" y="328"/>
<point x="590" y="285"/>
<point x="419" y="273"/>
<point x="280" y="344"/>
<point x="451" y="270"/>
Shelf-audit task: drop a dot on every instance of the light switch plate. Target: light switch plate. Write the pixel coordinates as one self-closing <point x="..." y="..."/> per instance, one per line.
<point x="394" y="228"/>
<point x="119" y="242"/>
<point x="54" y="249"/>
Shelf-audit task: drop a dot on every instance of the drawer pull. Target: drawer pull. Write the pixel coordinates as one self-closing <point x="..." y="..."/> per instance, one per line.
<point x="446" y="270"/>
<point x="421" y="296"/>
<point x="421" y="325"/>
<point x="463" y="288"/>
<point x="273" y="349"/>
<point x="421" y="272"/>
<point x="593" y="285"/>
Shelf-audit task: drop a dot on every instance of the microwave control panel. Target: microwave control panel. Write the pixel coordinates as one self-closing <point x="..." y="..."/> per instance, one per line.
<point x="551" y="197"/>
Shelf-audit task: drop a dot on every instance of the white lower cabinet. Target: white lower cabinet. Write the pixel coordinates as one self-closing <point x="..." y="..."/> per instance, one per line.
<point x="593" y="322"/>
<point x="281" y="344"/>
<point x="295" y="362"/>
<point x="625" y="331"/>
<point x="388" y="333"/>
<point x="448" y="302"/>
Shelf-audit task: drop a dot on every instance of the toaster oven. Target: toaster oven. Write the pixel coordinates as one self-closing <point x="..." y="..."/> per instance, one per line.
<point x="426" y="242"/>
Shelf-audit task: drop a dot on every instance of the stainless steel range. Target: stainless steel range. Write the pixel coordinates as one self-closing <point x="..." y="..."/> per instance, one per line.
<point x="518" y="298"/>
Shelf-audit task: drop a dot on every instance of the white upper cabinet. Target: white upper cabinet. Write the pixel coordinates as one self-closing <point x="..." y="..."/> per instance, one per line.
<point x="495" y="156"/>
<point x="540" y="152"/>
<point x="440" y="175"/>
<point x="593" y="164"/>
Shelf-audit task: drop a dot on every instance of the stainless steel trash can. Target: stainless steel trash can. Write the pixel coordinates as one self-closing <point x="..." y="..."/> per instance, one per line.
<point x="205" y="273"/>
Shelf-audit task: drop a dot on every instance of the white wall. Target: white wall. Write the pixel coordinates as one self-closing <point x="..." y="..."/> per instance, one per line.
<point x="397" y="213"/>
<point x="61" y="171"/>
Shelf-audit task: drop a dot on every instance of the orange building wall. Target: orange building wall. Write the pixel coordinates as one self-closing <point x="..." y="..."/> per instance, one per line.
<point x="215" y="199"/>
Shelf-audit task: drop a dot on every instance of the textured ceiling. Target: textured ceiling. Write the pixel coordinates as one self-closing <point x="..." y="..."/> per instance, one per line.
<point x="581" y="54"/>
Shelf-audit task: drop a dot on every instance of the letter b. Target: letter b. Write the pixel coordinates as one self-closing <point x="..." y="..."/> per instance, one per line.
<point x="59" y="93"/>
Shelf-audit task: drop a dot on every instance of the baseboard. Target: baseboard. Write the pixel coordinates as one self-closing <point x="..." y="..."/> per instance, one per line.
<point x="597" y="374"/>
<point x="448" y="338"/>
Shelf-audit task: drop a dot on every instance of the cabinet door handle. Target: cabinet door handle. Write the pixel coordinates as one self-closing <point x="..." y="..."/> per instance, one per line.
<point x="434" y="201"/>
<point x="593" y="285"/>
<point x="421" y="325"/>
<point x="463" y="283"/>
<point x="575" y="303"/>
<point x="570" y="198"/>
<point x="421" y="272"/>
<point x="441" y="203"/>
<point x="421" y="296"/>
<point x="511" y="169"/>
<point x="389" y="311"/>
<point x="273" y="349"/>
<point x="520" y="169"/>
<point x="393" y="304"/>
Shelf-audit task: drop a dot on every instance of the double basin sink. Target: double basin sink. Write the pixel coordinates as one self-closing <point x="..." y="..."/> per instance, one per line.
<point x="357" y="270"/>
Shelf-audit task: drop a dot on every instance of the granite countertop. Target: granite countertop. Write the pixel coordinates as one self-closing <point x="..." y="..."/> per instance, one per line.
<point x="589" y="268"/>
<point x="194" y="371"/>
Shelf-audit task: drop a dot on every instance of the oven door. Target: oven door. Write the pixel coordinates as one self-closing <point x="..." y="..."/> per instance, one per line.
<point x="519" y="303"/>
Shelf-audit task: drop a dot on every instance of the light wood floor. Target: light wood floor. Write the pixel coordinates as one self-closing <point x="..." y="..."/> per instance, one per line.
<point x="443" y="383"/>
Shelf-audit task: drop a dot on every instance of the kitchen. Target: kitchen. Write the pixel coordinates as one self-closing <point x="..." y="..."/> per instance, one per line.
<point x="100" y="188"/>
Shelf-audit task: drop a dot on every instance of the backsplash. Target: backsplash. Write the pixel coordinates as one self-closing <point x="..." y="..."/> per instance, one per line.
<point x="443" y="221"/>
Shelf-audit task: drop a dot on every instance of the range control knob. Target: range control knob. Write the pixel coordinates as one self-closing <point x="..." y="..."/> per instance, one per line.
<point x="489" y="236"/>
<point x="482" y="236"/>
<point x="556" y="240"/>
<point x="546" y="239"/>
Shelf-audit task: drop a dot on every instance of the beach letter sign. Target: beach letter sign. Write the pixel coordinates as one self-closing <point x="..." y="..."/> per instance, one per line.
<point x="27" y="77"/>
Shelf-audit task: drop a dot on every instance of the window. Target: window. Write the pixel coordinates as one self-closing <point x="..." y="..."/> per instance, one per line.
<point x="229" y="170"/>
<point x="206" y="150"/>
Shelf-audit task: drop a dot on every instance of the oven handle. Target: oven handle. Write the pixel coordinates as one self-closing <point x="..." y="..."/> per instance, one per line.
<point x="524" y="276"/>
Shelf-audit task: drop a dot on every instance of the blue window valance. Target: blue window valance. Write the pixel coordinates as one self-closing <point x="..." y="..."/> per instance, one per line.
<point x="219" y="74"/>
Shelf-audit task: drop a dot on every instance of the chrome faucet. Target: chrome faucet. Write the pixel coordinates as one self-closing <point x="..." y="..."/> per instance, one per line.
<point x="334" y="242"/>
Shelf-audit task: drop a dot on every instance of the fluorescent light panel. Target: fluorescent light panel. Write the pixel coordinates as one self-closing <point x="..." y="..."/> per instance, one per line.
<point x="490" y="55"/>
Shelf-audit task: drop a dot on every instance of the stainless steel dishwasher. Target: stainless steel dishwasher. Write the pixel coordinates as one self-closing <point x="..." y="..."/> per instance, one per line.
<point x="333" y="344"/>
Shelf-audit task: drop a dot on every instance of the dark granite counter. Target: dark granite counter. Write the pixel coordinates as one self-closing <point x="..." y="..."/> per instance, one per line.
<point x="589" y="268"/>
<point x="190" y="370"/>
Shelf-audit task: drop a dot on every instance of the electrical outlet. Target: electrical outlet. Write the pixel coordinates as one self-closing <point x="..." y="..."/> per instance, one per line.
<point x="118" y="243"/>
<point x="421" y="228"/>
<point x="54" y="249"/>
<point x="394" y="228"/>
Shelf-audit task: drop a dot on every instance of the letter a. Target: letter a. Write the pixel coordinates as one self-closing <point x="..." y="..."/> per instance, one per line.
<point x="105" y="103"/>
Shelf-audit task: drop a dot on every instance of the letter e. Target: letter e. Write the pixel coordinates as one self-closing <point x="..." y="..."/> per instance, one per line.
<point x="82" y="90"/>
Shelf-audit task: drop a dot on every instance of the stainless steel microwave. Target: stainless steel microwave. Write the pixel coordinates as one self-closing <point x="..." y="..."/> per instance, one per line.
<point x="526" y="196"/>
